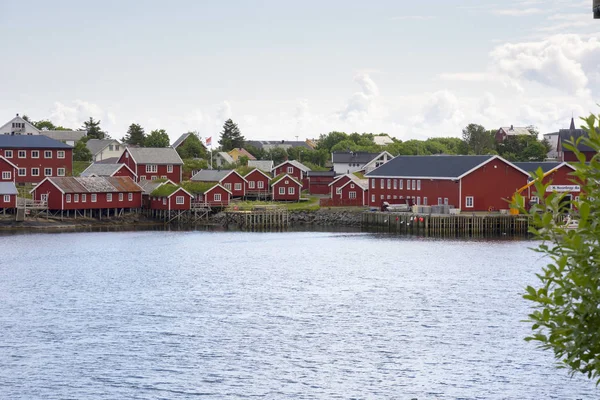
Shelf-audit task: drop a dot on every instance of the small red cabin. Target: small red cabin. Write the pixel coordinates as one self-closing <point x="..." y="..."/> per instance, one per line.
<point x="285" y="188"/>
<point x="257" y="183"/>
<point x="229" y="178"/>
<point x="8" y="170"/>
<point x="8" y="195"/>
<point x="319" y="181"/>
<point x="293" y="168"/>
<point x="170" y="197"/>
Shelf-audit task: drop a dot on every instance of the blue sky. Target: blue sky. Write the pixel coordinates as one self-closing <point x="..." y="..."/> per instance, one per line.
<point x="280" y="69"/>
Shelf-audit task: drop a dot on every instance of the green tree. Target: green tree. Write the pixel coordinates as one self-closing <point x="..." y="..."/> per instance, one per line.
<point x="44" y="125"/>
<point x="277" y="154"/>
<point x="478" y="140"/>
<point x="93" y="129"/>
<point x="81" y="152"/>
<point x="231" y="137"/>
<point x="566" y="316"/>
<point x="260" y="154"/>
<point x="135" y="135"/>
<point x="192" y="147"/>
<point x="157" y="138"/>
<point x="327" y="141"/>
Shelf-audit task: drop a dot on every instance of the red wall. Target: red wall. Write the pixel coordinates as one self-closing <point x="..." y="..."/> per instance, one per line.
<point x="41" y="163"/>
<point x="157" y="203"/>
<point x="125" y="172"/>
<point x="140" y="170"/>
<point x="10" y="204"/>
<point x="490" y="185"/>
<point x="255" y="177"/>
<point x="339" y="183"/>
<point x="360" y="193"/>
<point x="287" y="183"/>
<point x="570" y="156"/>
<point x="297" y="172"/>
<point x="561" y="176"/>
<point x="319" y="184"/>
<point x="430" y="188"/>
<point x="55" y="199"/>
<point x="232" y="179"/>
<point x="209" y="197"/>
<point x="6" y="167"/>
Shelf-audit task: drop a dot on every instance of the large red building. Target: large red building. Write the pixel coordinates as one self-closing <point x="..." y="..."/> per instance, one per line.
<point x="150" y="163"/>
<point x="557" y="175"/>
<point x="36" y="157"/>
<point x="469" y="183"/>
<point x="88" y="193"/>
<point x="286" y="188"/>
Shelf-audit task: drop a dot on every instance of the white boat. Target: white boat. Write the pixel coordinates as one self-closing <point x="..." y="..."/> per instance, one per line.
<point x="570" y="223"/>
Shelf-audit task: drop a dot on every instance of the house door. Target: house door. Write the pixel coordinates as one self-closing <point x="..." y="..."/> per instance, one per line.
<point x="565" y="204"/>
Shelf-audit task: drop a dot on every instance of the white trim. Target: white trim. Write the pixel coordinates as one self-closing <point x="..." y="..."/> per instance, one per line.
<point x="218" y="185"/>
<point x="256" y="169"/>
<point x="294" y="163"/>
<point x="289" y="177"/>
<point x="233" y="171"/>
<point x="180" y="188"/>
<point x="377" y="158"/>
<point x="44" y="180"/>
<point x="11" y="164"/>
<point x="490" y="160"/>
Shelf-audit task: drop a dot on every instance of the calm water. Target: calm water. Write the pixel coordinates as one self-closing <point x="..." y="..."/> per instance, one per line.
<point x="178" y="315"/>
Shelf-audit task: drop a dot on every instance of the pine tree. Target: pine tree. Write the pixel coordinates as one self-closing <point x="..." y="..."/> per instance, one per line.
<point x="231" y="137"/>
<point x="93" y="129"/>
<point x="135" y="135"/>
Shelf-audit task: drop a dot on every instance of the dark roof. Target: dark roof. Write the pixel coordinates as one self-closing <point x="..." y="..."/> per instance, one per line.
<point x="361" y="157"/>
<point x="565" y="135"/>
<point x="442" y="166"/>
<point x="180" y="140"/>
<point x="532" y="166"/>
<point x="31" y="142"/>
<point x="211" y="175"/>
<point x="320" y="173"/>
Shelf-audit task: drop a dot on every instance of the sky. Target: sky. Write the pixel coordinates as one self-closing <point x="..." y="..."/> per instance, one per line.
<point x="287" y="70"/>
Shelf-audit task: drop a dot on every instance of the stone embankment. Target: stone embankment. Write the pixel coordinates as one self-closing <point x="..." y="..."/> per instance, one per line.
<point x="322" y="217"/>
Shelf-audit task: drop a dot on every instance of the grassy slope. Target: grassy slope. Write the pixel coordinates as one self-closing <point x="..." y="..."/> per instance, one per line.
<point x="311" y="205"/>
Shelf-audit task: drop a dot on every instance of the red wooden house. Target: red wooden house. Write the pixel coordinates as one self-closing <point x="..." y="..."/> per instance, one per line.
<point x="285" y="188"/>
<point x="229" y="178"/>
<point x="88" y="193"/>
<point x="170" y="197"/>
<point x="293" y="168"/>
<point x="557" y="175"/>
<point x="36" y="157"/>
<point x="338" y="182"/>
<point x="153" y="163"/>
<point x="318" y="181"/>
<point x="571" y="136"/>
<point x="348" y="191"/>
<point x="258" y="184"/>
<point x="101" y="169"/>
<point x="469" y="183"/>
<point x="210" y="194"/>
<point x="8" y="170"/>
<point x="8" y="195"/>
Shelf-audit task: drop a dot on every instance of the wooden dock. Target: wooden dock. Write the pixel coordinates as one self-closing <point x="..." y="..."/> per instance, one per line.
<point x="260" y="217"/>
<point x="436" y="225"/>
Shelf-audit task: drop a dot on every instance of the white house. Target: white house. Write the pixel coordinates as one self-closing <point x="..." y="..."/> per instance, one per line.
<point x="346" y="162"/>
<point x="103" y="149"/>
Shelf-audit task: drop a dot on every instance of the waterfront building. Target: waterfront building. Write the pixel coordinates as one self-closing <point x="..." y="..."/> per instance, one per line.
<point x="8" y="195"/>
<point x="286" y="188"/>
<point x="293" y="168"/>
<point x="346" y="162"/>
<point x="170" y="197"/>
<point x="229" y="178"/>
<point x="36" y="157"/>
<point x="150" y="163"/>
<point x="469" y="183"/>
<point x="559" y="177"/>
<point x="349" y="190"/>
<point x="258" y="184"/>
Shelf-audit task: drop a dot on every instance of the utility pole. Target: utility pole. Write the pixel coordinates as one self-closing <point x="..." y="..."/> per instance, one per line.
<point x="596" y="8"/>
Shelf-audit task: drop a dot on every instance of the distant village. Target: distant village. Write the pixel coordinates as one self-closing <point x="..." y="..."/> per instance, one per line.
<point x="42" y="170"/>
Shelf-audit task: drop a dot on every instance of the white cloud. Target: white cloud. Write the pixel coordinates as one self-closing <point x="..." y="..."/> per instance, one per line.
<point x="361" y="104"/>
<point x="440" y="107"/>
<point x="518" y="12"/>
<point x="72" y="115"/>
<point x="224" y="113"/>
<point x="413" y="18"/>
<point x="466" y="76"/>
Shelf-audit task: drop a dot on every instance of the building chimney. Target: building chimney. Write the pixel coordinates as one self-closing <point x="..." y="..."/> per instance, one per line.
<point x="511" y="128"/>
<point x="17" y="114"/>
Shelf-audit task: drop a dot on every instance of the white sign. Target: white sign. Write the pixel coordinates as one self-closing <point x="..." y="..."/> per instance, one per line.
<point x="563" y="188"/>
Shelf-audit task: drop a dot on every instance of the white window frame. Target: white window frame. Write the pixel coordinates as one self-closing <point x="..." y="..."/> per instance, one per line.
<point x="227" y="186"/>
<point x="151" y="168"/>
<point x="68" y="198"/>
<point x="121" y="196"/>
<point x="338" y="190"/>
<point x="164" y="201"/>
<point x="47" y="171"/>
<point x="37" y="171"/>
<point x="23" y="170"/>
<point x="372" y="183"/>
<point x="179" y="200"/>
<point x="251" y="184"/>
<point x="418" y="184"/>
<point x="109" y="197"/>
<point x="60" y="172"/>
<point x="47" y="153"/>
<point x="7" y="198"/>
<point x="76" y="198"/>
<point x="372" y="198"/>
<point x="440" y="201"/>
<point x="282" y="190"/>
<point x="217" y="197"/>
<point x="395" y="184"/>
<point x="418" y="200"/>
<point x="60" y="154"/>
<point x="6" y="175"/>
<point x="401" y="184"/>
<point x="535" y="199"/>
<point x="389" y="183"/>
<point x="94" y="197"/>
<point x="425" y="201"/>
<point x="291" y="190"/>
<point x="22" y="153"/>
<point x="261" y="185"/>
<point x="290" y="170"/>
<point x="169" y="168"/>
<point x="237" y="186"/>
<point x="414" y="184"/>
<point x="84" y="198"/>
<point x="446" y="201"/>
<point x="35" y="154"/>
<point x="129" y="196"/>
<point x="8" y="153"/>
<point x="352" y="195"/>
<point x="142" y="178"/>
<point x="44" y="197"/>
<point x="469" y="202"/>
<point x="382" y="183"/>
<point x="153" y="177"/>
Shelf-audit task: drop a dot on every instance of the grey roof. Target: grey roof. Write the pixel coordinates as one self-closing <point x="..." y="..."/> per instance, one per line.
<point x="149" y="186"/>
<point x="31" y="142"/>
<point x="180" y="140"/>
<point x="532" y="166"/>
<point x="64" y="136"/>
<point x="565" y="135"/>
<point x="321" y="173"/>
<point x="515" y="130"/>
<point x="360" y="157"/>
<point x="295" y="163"/>
<point x="110" y="160"/>
<point x="8" y="188"/>
<point x="265" y="165"/>
<point x="442" y="166"/>
<point x="97" y="145"/>
<point x="155" y="155"/>
<point x="225" y="156"/>
<point x="259" y="144"/>
<point x="211" y="175"/>
<point x="97" y="169"/>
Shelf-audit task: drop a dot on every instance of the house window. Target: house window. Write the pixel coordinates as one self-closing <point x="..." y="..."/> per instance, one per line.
<point x="76" y="198"/>
<point x="395" y="184"/>
<point x="290" y="170"/>
<point x="35" y="154"/>
<point x="169" y="169"/>
<point x="110" y="147"/>
<point x="372" y="198"/>
<point x="217" y="197"/>
<point x="22" y="154"/>
<point x="60" y="154"/>
<point x="228" y="186"/>
<point x="142" y="178"/>
<point x="372" y="183"/>
<point x="47" y="171"/>
<point x="164" y="201"/>
<point x="389" y="197"/>
<point x="291" y="190"/>
<point x="352" y="195"/>
<point x="469" y="201"/>
<point x="120" y="196"/>
<point x="414" y="185"/>
<point x="439" y="201"/>
<point x="22" y="171"/>
<point x="163" y="177"/>
<point x="130" y="196"/>
<point x="151" y="168"/>
<point x="237" y="186"/>
<point x="419" y="184"/>
<point x="419" y="200"/>
<point x="382" y="183"/>
<point x="338" y="191"/>
<point x="68" y="199"/>
<point x="8" y="153"/>
<point x="35" y="172"/>
<point x="535" y="199"/>
<point x="281" y="190"/>
<point x="381" y="197"/>
<point x="126" y="155"/>
<point x="261" y="185"/>
<point x="93" y="197"/>
<point x="7" y="198"/>
<point x="108" y="196"/>
<point x="117" y="147"/>
<point x="389" y="183"/>
<point x="84" y="198"/>
<point x="352" y="186"/>
<point x="60" y="172"/>
<point x="6" y="175"/>
<point x="424" y="201"/>
<point x="179" y="200"/>
<point x="445" y="201"/>
<point x="48" y="154"/>
<point x="250" y="184"/>
<point x="401" y="184"/>
<point x="153" y="177"/>
<point x="44" y="197"/>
